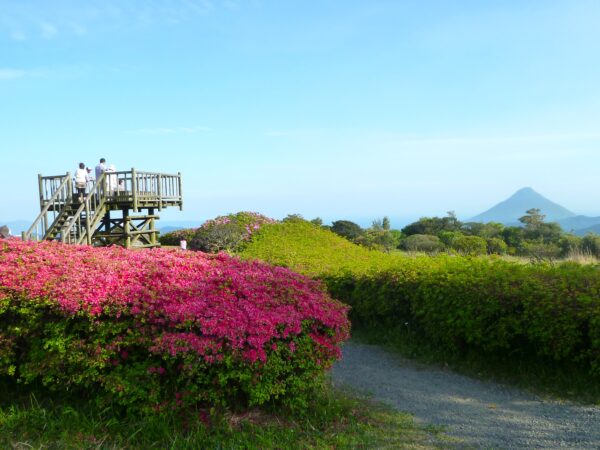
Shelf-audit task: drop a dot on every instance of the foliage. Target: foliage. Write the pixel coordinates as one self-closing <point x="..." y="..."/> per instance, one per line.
<point x="433" y="225"/>
<point x="176" y="236"/>
<point x="347" y="229"/>
<point x="469" y="245"/>
<point x="422" y="243"/>
<point x="485" y="304"/>
<point x="569" y="243"/>
<point x="591" y="243"/>
<point x="485" y="230"/>
<point x="447" y="237"/>
<point x="317" y="221"/>
<point x="163" y="328"/>
<point x="226" y="233"/>
<point x="496" y="246"/>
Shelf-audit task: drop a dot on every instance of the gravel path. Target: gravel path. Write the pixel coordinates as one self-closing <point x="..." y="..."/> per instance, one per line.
<point x="481" y="413"/>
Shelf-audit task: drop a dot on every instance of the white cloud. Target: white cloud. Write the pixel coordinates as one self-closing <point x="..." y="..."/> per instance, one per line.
<point x="48" y="30"/>
<point x="11" y="74"/>
<point x="277" y="133"/>
<point x="170" y="130"/>
<point x="18" y="36"/>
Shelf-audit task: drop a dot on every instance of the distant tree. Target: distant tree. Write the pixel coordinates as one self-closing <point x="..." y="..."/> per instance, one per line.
<point x="447" y="237"/>
<point x="470" y="245"/>
<point x="385" y="223"/>
<point x="533" y="219"/>
<point x="496" y="246"/>
<point x="377" y="225"/>
<point x="347" y="229"/>
<point x="383" y="240"/>
<point x="433" y="225"/>
<point x="569" y="244"/>
<point x="514" y="238"/>
<point x="548" y="233"/>
<point x="591" y="244"/>
<point x="422" y="243"/>
<point x="317" y="221"/>
<point x="484" y="230"/>
<point x="293" y="218"/>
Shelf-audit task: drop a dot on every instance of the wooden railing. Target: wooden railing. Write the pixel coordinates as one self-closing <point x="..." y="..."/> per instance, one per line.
<point x="55" y="193"/>
<point x="140" y="188"/>
<point x="80" y="227"/>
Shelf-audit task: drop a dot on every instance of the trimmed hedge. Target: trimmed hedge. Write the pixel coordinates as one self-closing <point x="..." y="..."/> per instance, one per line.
<point x="460" y="303"/>
<point x="163" y="328"/>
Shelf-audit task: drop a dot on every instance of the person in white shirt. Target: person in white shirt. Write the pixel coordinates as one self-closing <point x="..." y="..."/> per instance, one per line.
<point x="111" y="179"/>
<point x="100" y="168"/>
<point x="81" y="179"/>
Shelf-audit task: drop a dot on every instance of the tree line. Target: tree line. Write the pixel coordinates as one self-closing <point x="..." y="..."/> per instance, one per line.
<point x="534" y="237"/>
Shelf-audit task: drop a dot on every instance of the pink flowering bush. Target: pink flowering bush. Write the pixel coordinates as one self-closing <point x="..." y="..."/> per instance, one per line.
<point x="163" y="328"/>
<point x="227" y="233"/>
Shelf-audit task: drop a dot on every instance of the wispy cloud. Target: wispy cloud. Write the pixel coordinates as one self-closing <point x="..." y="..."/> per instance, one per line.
<point x="170" y="130"/>
<point x="18" y="36"/>
<point x="20" y="20"/>
<point x="12" y="74"/>
<point x="48" y="30"/>
<point x="509" y="139"/>
<point x="277" y="133"/>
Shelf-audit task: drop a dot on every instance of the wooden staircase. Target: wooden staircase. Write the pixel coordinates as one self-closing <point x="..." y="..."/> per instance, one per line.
<point x="64" y="218"/>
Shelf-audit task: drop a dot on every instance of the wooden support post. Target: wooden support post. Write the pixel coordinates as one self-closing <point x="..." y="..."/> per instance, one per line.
<point x="69" y="188"/>
<point x="41" y="188"/>
<point x="127" y="228"/>
<point x="152" y="229"/>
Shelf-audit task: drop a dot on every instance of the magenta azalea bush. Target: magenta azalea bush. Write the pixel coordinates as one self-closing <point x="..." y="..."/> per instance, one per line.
<point x="163" y="328"/>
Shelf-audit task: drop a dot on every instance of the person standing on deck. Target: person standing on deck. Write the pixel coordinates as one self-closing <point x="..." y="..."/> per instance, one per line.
<point x="81" y="179"/>
<point x="100" y="168"/>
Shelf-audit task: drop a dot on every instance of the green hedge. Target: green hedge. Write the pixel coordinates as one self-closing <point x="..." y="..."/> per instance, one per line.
<point x="460" y="303"/>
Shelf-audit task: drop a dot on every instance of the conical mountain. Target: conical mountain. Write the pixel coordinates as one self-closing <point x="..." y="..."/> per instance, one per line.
<point x="509" y="211"/>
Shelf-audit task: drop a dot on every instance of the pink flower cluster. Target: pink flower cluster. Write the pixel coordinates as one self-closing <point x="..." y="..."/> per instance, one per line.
<point x="192" y="302"/>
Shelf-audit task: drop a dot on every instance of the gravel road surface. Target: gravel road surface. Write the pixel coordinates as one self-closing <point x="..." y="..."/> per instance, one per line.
<point x="481" y="413"/>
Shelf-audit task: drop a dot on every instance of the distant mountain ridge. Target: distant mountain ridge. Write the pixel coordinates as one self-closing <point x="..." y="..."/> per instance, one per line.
<point x="510" y="210"/>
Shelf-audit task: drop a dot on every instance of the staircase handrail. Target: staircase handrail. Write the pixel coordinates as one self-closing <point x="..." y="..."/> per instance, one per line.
<point x="85" y="205"/>
<point x="26" y="235"/>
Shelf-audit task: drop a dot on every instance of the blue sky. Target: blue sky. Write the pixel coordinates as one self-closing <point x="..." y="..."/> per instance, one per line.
<point x="331" y="108"/>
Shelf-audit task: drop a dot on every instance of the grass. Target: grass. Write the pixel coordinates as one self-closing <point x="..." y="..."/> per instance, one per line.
<point x="542" y="377"/>
<point x="335" y="419"/>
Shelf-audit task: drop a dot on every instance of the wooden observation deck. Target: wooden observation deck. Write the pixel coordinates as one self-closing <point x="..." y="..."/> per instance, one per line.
<point x="119" y="209"/>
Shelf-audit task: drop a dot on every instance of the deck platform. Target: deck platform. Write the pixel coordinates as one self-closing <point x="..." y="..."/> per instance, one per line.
<point x="120" y="208"/>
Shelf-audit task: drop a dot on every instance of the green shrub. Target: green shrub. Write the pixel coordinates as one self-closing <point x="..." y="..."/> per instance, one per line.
<point x="496" y="246"/>
<point x="422" y="243"/>
<point x="591" y="244"/>
<point x="226" y="233"/>
<point x="469" y="245"/>
<point x="175" y="237"/>
<point x="460" y="303"/>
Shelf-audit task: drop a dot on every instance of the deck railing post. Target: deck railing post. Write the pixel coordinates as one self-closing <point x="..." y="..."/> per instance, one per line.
<point x="41" y="188"/>
<point x="134" y="188"/>
<point x="159" y="192"/>
<point x="88" y="229"/>
<point x="180" y="191"/>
